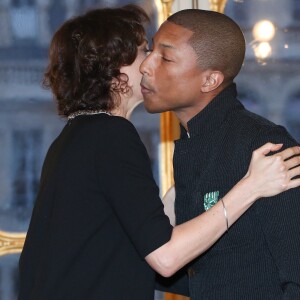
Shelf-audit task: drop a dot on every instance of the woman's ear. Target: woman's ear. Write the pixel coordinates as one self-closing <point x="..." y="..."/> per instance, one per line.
<point x="211" y="81"/>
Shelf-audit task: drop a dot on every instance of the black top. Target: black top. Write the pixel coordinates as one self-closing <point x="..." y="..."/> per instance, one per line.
<point x="97" y="215"/>
<point x="259" y="258"/>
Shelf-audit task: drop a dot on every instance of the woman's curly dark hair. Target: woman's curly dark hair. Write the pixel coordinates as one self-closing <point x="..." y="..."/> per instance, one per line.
<point x="86" y="54"/>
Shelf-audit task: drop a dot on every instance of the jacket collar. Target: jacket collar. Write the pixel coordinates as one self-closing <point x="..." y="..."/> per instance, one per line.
<point x="212" y="116"/>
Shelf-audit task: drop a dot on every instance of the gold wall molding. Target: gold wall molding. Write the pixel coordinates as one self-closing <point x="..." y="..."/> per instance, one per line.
<point x="218" y="5"/>
<point x="11" y="242"/>
<point x="169" y="132"/>
<point x="169" y="125"/>
<point x="169" y="129"/>
<point x="195" y="4"/>
<point x="167" y="8"/>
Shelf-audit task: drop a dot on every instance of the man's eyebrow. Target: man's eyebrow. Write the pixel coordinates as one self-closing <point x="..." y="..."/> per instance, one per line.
<point x="164" y="45"/>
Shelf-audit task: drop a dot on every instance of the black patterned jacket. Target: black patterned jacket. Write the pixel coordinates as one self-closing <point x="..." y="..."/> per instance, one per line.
<point x="259" y="258"/>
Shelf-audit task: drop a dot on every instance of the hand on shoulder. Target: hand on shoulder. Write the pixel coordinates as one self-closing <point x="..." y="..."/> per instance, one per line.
<point x="271" y="175"/>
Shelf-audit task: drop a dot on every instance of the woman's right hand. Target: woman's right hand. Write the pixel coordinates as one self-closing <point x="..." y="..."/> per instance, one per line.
<point x="271" y="175"/>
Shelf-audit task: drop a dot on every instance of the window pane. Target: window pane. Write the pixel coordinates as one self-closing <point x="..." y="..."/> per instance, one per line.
<point x="26" y="163"/>
<point x="24" y="22"/>
<point x="270" y="73"/>
<point x="28" y="120"/>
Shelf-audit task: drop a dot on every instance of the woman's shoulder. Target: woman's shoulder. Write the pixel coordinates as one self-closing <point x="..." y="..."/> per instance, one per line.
<point x="119" y="126"/>
<point x="112" y="128"/>
<point x="106" y="124"/>
<point x="119" y="122"/>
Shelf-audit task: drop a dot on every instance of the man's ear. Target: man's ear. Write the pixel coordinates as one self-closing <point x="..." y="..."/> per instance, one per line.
<point x="211" y="81"/>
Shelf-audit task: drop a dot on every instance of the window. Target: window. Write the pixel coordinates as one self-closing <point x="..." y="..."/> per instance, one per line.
<point x="26" y="166"/>
<point x="296" y="10"/>
<point x="239" y="12"/>
<point x="24" y="20"/>
<point x="19" y="3"/>
<point x="15" y="278"/>
<point x="0" y="283"/>
<point x="251" y="101"/>
<point x="292" y="115"/>
<point x="148" y="128"/>
<point x="57" y="14"/>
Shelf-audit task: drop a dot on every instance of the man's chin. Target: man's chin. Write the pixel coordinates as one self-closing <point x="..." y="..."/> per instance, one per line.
<point x="153" y="110"/>
<point x="150" y="108"/>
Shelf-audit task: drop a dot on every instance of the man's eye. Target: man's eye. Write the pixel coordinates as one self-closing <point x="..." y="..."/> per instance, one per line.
<point x="165" y="59"/>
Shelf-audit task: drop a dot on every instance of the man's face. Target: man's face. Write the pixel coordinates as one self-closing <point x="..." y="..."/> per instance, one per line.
<point x="171" y="78"/>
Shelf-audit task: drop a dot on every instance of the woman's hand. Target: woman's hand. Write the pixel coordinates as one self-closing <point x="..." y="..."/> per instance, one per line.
<point x="271" y="175"/>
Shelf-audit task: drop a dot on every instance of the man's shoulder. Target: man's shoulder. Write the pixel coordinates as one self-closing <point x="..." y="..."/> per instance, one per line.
<point x="253" y="125"/>
<point x="246" y="118"/>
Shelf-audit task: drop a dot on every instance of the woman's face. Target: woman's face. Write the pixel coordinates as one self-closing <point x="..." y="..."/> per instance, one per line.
<point x="134" y="97"/>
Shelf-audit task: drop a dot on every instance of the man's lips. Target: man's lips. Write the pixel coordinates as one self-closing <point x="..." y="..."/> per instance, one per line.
<point x="145" y="89"/>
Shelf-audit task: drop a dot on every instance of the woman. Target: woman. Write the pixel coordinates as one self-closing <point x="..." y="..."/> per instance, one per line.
<point x="98" y="222"/>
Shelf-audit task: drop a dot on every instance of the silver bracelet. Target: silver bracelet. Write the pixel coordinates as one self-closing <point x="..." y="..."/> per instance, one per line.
<point x="225" y="213"/>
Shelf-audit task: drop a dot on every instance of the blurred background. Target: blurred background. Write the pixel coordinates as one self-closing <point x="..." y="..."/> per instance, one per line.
<point x="269" y="84"/>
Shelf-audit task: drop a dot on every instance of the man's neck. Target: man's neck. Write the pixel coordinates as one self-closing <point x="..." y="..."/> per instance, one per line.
<point x="185" y="114"/>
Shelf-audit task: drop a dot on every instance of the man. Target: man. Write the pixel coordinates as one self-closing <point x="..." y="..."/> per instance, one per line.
<point x="196" y="56"/>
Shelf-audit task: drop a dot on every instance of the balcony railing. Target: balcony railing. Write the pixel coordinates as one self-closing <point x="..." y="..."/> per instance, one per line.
<point x="21" y="73"/>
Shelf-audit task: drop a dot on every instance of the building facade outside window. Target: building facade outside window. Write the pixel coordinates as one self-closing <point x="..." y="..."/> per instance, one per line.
<point x="24" y="21"/>
<point x="26" y="167"/>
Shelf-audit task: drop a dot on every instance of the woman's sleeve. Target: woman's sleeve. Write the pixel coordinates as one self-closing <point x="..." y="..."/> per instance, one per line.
<point x="176" y="284"/>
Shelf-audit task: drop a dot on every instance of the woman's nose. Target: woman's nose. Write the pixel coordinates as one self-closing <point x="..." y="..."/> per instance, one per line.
<point x="144" y="67"/>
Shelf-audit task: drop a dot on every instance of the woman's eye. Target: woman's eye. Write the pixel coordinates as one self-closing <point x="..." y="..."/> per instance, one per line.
<point x="147" y="51"/>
